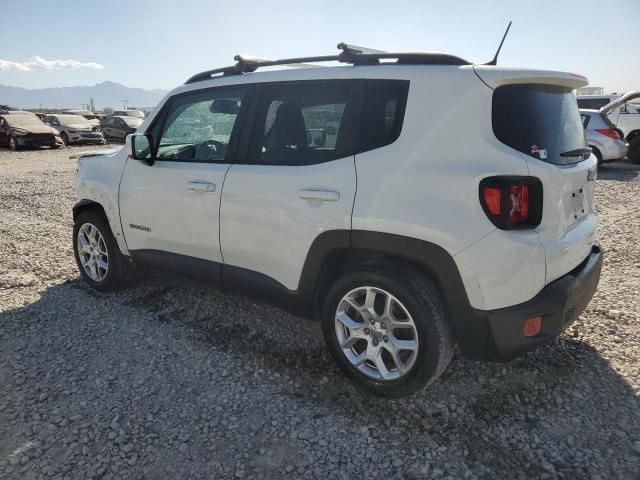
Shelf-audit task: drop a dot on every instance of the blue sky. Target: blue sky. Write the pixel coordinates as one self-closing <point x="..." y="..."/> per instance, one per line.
<point x="160" y="43"/>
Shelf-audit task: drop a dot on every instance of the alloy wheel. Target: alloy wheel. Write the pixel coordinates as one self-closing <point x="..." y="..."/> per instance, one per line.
<point x="92" y="252"/>
<point x="376" y="333"/>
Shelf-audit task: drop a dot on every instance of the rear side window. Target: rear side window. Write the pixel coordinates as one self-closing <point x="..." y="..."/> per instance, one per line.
<point x="541" y="121"/>
<point x="302" y="124"/>
<point x="382" y="113"/>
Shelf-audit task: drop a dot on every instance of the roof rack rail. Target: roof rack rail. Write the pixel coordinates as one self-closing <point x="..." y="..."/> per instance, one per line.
<point x="352" y="54"/>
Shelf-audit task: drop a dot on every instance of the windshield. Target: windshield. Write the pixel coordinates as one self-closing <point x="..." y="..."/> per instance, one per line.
<point x="22" y="120"/>
<point x="73" y="120"/>
<point x="541" y="121"/>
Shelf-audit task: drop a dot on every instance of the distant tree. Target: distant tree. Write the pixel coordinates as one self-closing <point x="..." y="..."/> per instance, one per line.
<point x="107" y="110"/>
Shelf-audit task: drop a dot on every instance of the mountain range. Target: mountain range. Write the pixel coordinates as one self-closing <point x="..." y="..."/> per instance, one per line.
<point x="105" y="94"/>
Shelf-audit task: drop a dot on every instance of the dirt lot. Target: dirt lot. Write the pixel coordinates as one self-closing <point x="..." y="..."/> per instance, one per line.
<point x="173" y="379"/>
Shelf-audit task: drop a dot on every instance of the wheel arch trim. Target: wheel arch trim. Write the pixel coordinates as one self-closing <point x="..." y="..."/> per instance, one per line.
<point x="86" y="204"/>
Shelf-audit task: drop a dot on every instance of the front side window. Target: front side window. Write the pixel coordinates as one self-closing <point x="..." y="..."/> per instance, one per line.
<point x="198" y="126"/>
<point x="301" y="124"/>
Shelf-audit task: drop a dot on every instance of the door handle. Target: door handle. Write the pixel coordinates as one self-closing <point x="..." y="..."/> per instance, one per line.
<point x="319" y="194"/>
<point x="201" y="186"/>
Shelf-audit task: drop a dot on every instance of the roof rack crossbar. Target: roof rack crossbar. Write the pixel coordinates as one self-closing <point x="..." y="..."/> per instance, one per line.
<point x="350" y="54"/>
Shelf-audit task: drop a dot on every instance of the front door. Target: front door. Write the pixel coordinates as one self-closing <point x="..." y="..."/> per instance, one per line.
<point x="296" y="181"/>
<point x="170" y="208"/>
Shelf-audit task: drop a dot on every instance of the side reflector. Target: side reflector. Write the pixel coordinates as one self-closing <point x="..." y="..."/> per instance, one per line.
<point x="533" y="326"/>
<point x="492" y="198"/>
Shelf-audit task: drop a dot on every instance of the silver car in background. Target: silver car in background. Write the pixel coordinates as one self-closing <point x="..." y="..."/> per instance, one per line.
<point x="74" y="129"/>
<point x="605" y="140"/>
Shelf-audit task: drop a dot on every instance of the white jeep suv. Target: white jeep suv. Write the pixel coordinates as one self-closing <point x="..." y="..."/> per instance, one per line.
<point x="407" y="201"/>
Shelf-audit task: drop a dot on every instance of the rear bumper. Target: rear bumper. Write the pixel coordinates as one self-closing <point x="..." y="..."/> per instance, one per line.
<point x="614" y="150"/>
<point x="559" y="304"/>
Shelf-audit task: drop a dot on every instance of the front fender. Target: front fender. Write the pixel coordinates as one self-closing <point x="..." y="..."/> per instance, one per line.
<point x="98" y="182"/>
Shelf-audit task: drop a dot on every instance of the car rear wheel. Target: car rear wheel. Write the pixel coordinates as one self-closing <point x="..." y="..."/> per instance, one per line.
<point x="597" y="153"/>
<point x="634" y="150"/>
<point x="97" y="254"/>
<point x="13" y="145"/>
<point x="65" y="138"/>
<point x="387" y="330"/>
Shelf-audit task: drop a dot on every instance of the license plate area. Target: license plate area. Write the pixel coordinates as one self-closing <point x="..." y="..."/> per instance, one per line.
<point x="578" y="207"/>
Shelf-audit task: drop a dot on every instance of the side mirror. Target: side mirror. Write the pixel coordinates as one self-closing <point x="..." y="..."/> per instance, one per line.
<point x="139" y="146"/>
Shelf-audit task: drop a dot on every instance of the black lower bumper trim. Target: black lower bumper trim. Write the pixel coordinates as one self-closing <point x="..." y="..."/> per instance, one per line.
<point x="559" y="304"/>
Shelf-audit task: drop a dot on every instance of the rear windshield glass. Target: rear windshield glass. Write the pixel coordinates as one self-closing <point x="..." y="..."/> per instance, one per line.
<point x="541" y="121"/>
<point x="593" y="103"/>
<point x="72" y="120"/>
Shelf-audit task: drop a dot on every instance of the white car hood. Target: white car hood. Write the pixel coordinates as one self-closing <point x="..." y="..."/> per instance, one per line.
<point x="97" y="153"/>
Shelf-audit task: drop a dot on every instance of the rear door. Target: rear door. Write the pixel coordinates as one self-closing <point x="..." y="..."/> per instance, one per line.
<point x="295" y="181"/>
<point x="170" y="208"/>
<point x="542" y="122"/>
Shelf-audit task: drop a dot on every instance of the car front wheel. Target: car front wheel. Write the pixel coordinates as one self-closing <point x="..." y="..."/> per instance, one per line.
<point x="387" y="330"/>
<point x="13" y="145"/>
<point x="97" y="254"/>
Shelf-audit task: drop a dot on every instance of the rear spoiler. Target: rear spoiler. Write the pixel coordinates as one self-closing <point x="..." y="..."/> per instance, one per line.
<point x="495" y="77"/>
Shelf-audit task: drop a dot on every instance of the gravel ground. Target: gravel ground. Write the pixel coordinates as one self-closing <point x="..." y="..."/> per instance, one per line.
<point x="173" y="379"/>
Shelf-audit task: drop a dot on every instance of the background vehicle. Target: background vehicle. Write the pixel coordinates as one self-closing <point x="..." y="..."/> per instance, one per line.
<point x="93" y="118"/>
<point x="20" y="130"/>
<point x="334" y="191"/>
<point x="624" y="114"/>
<point x="128" y="113"/>
<point x="595" y="102"/>
<point x="118" y="127"/>
<point x="605" y="140"/>
<point x="74" y="129"/>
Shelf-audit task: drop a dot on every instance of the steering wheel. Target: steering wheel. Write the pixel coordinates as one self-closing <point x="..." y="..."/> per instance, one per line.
<point x="217" y="147"/>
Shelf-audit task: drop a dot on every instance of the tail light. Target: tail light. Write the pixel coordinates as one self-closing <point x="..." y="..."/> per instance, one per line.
<point x="609" y="132"/>
<point x="512" y="202"/>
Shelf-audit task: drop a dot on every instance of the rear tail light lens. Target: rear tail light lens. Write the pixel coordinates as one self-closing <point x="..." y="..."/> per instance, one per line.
<point x="519" y="197"/>
<point x="492" y="198"/>
<point x="609" y="132"/>
<point x="512" y="202"/>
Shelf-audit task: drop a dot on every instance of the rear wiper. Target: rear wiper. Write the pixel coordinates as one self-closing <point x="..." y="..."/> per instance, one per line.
<point x="577" y="152"/>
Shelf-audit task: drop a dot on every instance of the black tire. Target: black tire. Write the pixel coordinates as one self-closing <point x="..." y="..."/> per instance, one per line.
<point x="65" y="139"/>
<point x="13" y="144"/>
<point x="423" y="301"/>
<point x="120" y="272"/>
<point x="634" y="150"/>
<point x="598" y="155"/>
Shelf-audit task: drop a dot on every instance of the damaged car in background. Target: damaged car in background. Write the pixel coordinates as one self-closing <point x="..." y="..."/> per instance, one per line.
<point x="19" y="130"/>
<point x="75" y="129"/>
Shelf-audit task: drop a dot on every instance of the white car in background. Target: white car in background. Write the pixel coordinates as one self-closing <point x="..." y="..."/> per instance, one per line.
<point x="605" y="140"/>
<point x="74" y="129"/>
<point x="624" y="114"/>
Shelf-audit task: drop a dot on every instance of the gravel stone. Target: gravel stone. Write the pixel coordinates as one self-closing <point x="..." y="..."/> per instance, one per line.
<point x="212" y="384"/>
